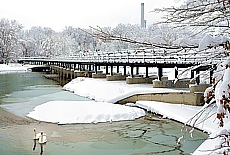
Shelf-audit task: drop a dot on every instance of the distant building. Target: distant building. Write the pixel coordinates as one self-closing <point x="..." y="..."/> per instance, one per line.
<point x="143" y="21"/>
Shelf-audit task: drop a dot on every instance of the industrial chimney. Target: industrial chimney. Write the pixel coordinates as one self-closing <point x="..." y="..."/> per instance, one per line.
<point x="143" y="22"/>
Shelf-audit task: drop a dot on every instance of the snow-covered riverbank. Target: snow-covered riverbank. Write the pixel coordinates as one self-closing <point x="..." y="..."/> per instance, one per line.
<point x="101" y="90"/>
<point x="12" y="68"/>
<point x="102" y="110"/>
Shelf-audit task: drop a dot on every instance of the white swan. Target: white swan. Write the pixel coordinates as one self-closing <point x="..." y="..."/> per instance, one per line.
<point x="42" y="139"/>
<point x="36" y="135"/>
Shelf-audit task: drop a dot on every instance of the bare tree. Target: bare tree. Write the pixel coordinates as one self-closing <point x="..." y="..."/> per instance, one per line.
<point x="208" y="17"/>
<point x="204" y="15"/>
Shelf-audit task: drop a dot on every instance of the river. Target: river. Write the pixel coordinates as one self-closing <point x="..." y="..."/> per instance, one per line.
<point x="21" y="92"/>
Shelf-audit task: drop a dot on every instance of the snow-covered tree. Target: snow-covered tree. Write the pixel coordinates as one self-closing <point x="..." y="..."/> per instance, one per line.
<point x="209" y="20"/>
<point x="204" y="15"/>
<point x="28" y="44"/>
<point x="38" y="41"/>
<point x="201" y="17"/>
<point x="47" y="42"/>
<point x="8" y="39"/>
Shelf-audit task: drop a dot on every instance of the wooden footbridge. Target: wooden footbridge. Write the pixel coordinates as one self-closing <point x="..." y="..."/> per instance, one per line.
<point x="128" y="64"/>
<point x="115" y="60"/>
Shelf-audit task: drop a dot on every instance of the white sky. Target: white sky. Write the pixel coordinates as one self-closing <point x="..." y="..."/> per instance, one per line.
<point x="60" y="13"/>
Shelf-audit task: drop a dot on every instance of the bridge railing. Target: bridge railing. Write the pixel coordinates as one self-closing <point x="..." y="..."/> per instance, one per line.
<point x="134" y="58"/>
<point x="127" y="57"/>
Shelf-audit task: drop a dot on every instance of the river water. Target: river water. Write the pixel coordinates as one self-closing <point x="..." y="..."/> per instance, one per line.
<point x="21" y="92"/>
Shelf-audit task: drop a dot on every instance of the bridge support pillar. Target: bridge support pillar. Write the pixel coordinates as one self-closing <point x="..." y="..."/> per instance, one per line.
<point x="92" y="67"/>
<point x="132" y="71"/>
<point x="111" y="70"/>
<point x="79" y="66"/>
<point x="176" y="72"/>
<point x="106" y="69"/>
<point x="95" y="69"/>
<point x="74" y="66"/>
<point x="198" y="77"/>
<point x="82" y="67"/>
<point x="160" y="73"/>
<point x="137" y="70"/>
<point x="192" y="74"/>
<point x="147" y="72"/>
<point x="61" y="75"/>
<point x="124" y="70"/>
<point x="118" y="69"/>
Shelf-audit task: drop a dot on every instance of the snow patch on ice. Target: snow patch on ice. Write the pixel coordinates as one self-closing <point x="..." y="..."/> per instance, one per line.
<point x="67" y="112"/>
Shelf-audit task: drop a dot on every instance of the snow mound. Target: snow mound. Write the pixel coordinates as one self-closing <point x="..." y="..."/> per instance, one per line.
<point x="68" y="112"/>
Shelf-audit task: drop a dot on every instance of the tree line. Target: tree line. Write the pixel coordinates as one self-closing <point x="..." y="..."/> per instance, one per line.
<point x="15" y="41"/>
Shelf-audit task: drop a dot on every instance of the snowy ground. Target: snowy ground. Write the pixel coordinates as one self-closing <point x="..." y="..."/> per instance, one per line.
<point x="102" y="110"/>
<point x="12" y="68"/>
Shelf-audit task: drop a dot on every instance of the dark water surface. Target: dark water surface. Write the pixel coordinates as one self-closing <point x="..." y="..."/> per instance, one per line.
<point x="21" y="92"/>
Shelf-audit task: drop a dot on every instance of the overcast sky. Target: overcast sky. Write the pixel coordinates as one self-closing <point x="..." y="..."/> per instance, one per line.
<point x="57" y="14"/>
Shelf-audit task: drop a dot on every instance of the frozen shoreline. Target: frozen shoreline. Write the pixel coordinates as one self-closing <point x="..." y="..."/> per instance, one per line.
<point x="100" y="91"/>
<point x="179" y="112"/>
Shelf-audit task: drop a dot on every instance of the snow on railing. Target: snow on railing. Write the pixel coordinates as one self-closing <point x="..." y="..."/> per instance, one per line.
<point x="128" y="56"/>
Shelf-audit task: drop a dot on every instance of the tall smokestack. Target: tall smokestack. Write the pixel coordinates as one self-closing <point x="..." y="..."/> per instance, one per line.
<point x="142" y="16"/>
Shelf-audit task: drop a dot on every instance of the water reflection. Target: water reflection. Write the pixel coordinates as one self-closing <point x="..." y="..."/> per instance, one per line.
<point x="41" y="138"/>
<point x="41" y="149"/>
<point x="34" y="144"/>
<point x="41" y="146"/>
